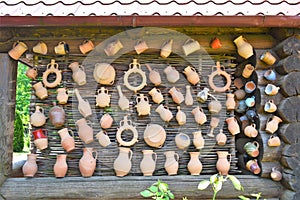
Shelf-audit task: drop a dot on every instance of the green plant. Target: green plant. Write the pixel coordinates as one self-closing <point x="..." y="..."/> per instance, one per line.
<point x="217" y="180"/>
<point x="257" y="196"/>
<point x="158" y="190"/>
<point x="18" y="143"/>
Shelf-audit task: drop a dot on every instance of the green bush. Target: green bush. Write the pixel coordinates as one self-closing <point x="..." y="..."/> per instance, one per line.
<point x="18" y="143"/>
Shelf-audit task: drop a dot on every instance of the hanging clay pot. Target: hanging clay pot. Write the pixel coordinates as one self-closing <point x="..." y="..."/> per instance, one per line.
<point x="188" y="100"/>
<point x="180" y="116"/>
<point x="190" y="46"/>
<point x="155" y="135"/>
<point x="177" y="96"/>
<point x="271" y="90"/>
<point x="223" y="165"/>
<point x="166" y="48"/>
<point x="106" y="121"/>
<point x="32" y="73"/>
<point x="62" y="95"/>
<point x="103" y="139"/>
<point x="172" y="74"/>
<point x="194" y="165"/>
<point x="52" y="68"/>
<point x="244" y="49"/>
<point x="199" y="115"/>
<point x="85" y="132"/>
<point x="78" y="73"/>
<point x="30" y="167"/>
<point x="272" y="124"/>
<point x="67" y="142"/>
<point x="40" y="48"/>
<point x="40" y="139"/>
<point x="154" y="76"/>
<point x="250" y="87"/>
<point x="125" y="125"/>
<point x="198" y="140"/>
<point x="38" y="118"/>
<point x="86" y="46"/>
<point x="143" y="107"/>
<point x="164" y="113"/>
<point x="171" y="164"/>
<point x="253" y="166"/>
<point x="122" y="164"/>
<point x="57" y="115"/>
<point x="216" y="43"/>
<point x="233" y="126"/>
<point x="240" y="94"/>
<point x="60" y="167"/>
<point x="214" y="122"/>
<point x="102" y="97"/>
<point x="135" y="68"/>
<point x="268" y="58"/>
<point x="270" y="75"/>
<point x="182" y="141"/>
<point x="123" y="102"/>
<point x="275" y="174"/>
<point x="214" y="106"/>
<point x="83" y="105"/>
<point x="18" y="49"/>
<point x="113" y="47"/>
<point x="156" y="95"/>
<point x="40" y="91"/>
<point x="274" y="141"/>
<point x="192" y="75"/>
<point x="62" y="48"/>
<point x="250" y="131"/>
<point x="87" y="162"/>
<point x="252" y="148"/>
<point x="247" y="71"/>
<point x="230" y="102"/>
<point x="203" y="95"/>
<point x="221" y="138"/>
<point x="104" y="73"/>
<point x="148" y="162"/>
<point x="140" y="46"/>
<point x="250" y="101"/>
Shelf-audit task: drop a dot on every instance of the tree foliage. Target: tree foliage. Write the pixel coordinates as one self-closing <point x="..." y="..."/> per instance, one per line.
<point x="18" y="143"/>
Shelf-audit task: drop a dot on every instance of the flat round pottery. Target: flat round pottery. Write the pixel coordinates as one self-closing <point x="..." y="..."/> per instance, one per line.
<point x="155" y="135"/>
<point x="104" y="73"/>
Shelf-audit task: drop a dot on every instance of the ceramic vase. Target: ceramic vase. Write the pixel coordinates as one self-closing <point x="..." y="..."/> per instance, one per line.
<point x="272" y="124"/>
<point x="123" y="102"/>
<point x="40" y="91"/>
<point x="199" y="115"/>
<point x="233" y="126"/>
<point x="252" y="148"/>
<point x="214" y="106"/>
<point x="223" y="164"/>
<point x="60" y="167"/>
<point x="30" y="167"/>
<point x="85" y="132"/>
<point x="221" y="138"/>
<point x="230" y="102"/>
<point x="172" y="74"/>
<point x="148" y="162"/>
<point x="253" y="166"/>
<point x="177" y="96"/>
<point x="38" y="118"/>
<point x="67" y="142"/>
<point x="62" y="95"/>
<point x="244" y="49"/>
<point x="182" y="141"/>
<point x="180" y="116"/>
<point x="103" y="139"/>
<point x="164" y="113"/>
<point x="188" y="100"/>
<point x="250" y="131"/>
<point x="194" y="165"/>
<point x="122" y="164"/>
<point x="102" y="98"/>
<point x="198" y="140"/>
<point x="78" y="73"/>
<point x="156" y="95"/>
<point x="57" y="116"/>
<point x="154" y="76"/>
<point x="106" y="121"/>
<point x="171" y="164"/>
<point x="143" y="107"/>
<point x="87" y="162"/>
<point x="192" y="75"/>
<point x="166" y="48"/>
<point x="83" y="105"/>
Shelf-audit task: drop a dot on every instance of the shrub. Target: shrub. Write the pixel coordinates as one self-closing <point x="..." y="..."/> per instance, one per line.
<point x="18" y="143"/>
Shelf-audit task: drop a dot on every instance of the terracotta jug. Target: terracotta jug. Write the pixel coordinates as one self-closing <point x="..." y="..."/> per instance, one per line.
<point x="18" y="49"/>
<point x="233" y="126"/>
<point x="247" y="71"/>
<point x="40" y="91"/>
<point x="113" y="47"/>
<point x="198" y="140"/>
<point x="214" y="106"/>
<point x="274" y="141"/>
<point x="155" y="135"/>
<point x="143" y="107"/>
<point x="250" y="131"/>
<point x="85" y="132"/>
<point x="272" y="124"/>
<point x="172" y="74"/>
<point x="148" y="162"/>
<point x="164" y="113"/>
<point x="78" y="73"/>
<point x="104" y="73"/>
<point x="192" y="75"/>
<point x="32" y="73"/>
<point x="194" y="165"/>
<point x="86" y="46"/>
<point x="223" y="165"/>
<point x="180" y="116"/>
<point x="83" y="105"/>
<point x="171" y="164"/>
<point x="253" y="166"/>
<point x="188" y="100"/>
<point x="252" y="148"/>
<point x="250" y="101"/>
<point x="40" y="139"/>
<point x="177" y="96"/>
<point x="166" y="48"/>
<point x="30" y="167"/>
<point x="216" y="43"/>
<point x="214" y="122"/>
<point x="270" y="106"/>
<point x="87" y="162"/>
<point x="182" y="141"/>
<point x="221" y="138"/>
<point x="62" y="95"/>
<point x="276" y="175"/>
<point x="271" y="90"/>
<point x="203" y="95"/>
<point x="67" y="142"/>
<point x="106" y="121"/>
<point x="102" y="97"/>
<point x="122" y="164"/>
<point x="38" y="118"/>
<point x="230" y="102"/>
<point x="60" y="167"/>
<point x="103" y="139"/>
<point x="190" y="46"/>
<point x="199" y="115"/>
<point x="156" y="95"/>
<point x="244" y="49"/>
<point x="57" y="115"/>
<point x="154" y="76"/>
<point x="123" y="102"/>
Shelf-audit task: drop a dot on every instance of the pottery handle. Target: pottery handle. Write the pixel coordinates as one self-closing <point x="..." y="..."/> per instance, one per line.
<point x="176" y="157"/>
<point x="229" y="158"/>
<point x="119" y="91"/>
<point x="188" y="41"/>
<point x="96" y="154"/>
<point x="55" y="65"/>
<point x="193" y="69"/>
<point x="158" y="90"/>
<point x="253" y="125"/>
<point x="82" y="67"/>
<point x="130" y="154"/>
<point x="46" y="132"/>
<point x="256" y="144"/>
<point x="98" y="91"/>
<point x="122" y="123"/>
<point x="72" y="133"/>
<point x="138" y="42"/>
<point x="164" y="43"/>
<point x="16" y="43"/>
<point x="106" y="91"/>
<point x="155" y="156"/>
<point x="41" y="109"/>
<point x="271" y="101"/>
<point x="89" y="122"/>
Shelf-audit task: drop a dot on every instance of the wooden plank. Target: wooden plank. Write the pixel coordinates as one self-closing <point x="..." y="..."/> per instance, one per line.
<point x="289" y="133"/>
<point x="288" y="64"/>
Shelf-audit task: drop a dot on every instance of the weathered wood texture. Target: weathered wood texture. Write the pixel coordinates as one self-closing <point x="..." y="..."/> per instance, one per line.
<point x="290" y="84"/>
<point x="8" y="70"/>
<point x="289" y="133"/>
<point x="129" y="187"/>
<point x="289" y="110"/>
<point x="288" y="64"/>
<point x="288" y="47"/>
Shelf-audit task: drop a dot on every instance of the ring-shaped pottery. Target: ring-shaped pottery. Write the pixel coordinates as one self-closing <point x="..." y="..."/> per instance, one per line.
<point x="220" y="71"/>
<point x="155" y="135"/>
<point x="52" y="68"/>
<point x="125" y="125"/>
<point x="135" y="68"/>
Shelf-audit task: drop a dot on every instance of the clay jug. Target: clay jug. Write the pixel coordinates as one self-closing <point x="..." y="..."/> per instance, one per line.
<point x="40" y="139"/>
<point x="102" y="97"/>
<point x="140" y="46"/>
<point x="113" y="47"/>
<point x="192" y="75"/>
<point x="148" y="162"/>
<point x="106" y="121"/>
<point x="199" y="115"/>
<point x="270" y="106"/>
<point x="143" y="107"/>
<point x="250" y="131"/>
<point x="194" y="165"/>
<point x="57" y="115"/>
<point x="214" y="122"/>
<point x="156" y="95"/>
<point x="216" y="43"/>
<point x="38" y="118"/>
<point x="172" y="74"/>
<point x="177" y="96"/>
<point x="154" y="76"/>
<point x="86" y="46"/>
<point x="62" y="95"/>
<point x="103" y="139"/>
<point x="253" y="166"/>
<point x="198" y="140"/>
<point x="85" y="132"/>
<point x="83" y="105"/>
<point x="182" y="141"/>
<point x="223" y="165"/>
<point x="104" y="73"/>
<point x="67" y="142"/>
<point x="164" y="113"/>
<point x="166" y="48"/>
<point x="268" y="58"/>
<point x="32" y="73"/>
<point x="40" y="48"/>
<point x="272" y="124"/>
<point x="123" y="102"/>
<point x="190" y="46"/>
<point x="18" y="49"/>
<point x="221" y="138"/>
<point x="180" y="116"/>
<point x="30" y="167"/>
<point x="155" y="135"/>
<point x="274" y="141"/>
<point x="60" y="167"/>
<point x="244" y="49"/>
<point x="214" y="106"/>
<point x="252" y="148"/>
<point x="240" y="94"/>
<point x="171" y="164"/>
<point x="188" y="100"/>
<point x="247" y="71"/>
<point x="78" y="73"/>
<point x="233" y="126"/>
<point x="87" y="162"/>
<point x="203" y="95"/>
<point x="276" y="175"/>
<point x="40" y="91"/>
<point x="61" y="48"/>
<point x="122" y="164"/>
<point x="230" y="102"/>
<point x="271" y="90"/>
<point x="250" y="101"/>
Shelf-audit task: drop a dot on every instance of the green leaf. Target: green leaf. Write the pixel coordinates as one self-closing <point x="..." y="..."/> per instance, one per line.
<point x="243" y="197"/>
<point x="218" y="186"/>
<point x="153" y="188"/>
<point x="213" y="178"/>
<point x="171" y="195"/>
<point x="146" y="193"/>
<point x="235" y="182"/>
<point x="203" y="185"/>
<point x="163" y="187"/>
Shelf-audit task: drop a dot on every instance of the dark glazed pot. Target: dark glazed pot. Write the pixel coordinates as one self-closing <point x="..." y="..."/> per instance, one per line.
<point x="57" y="116"/>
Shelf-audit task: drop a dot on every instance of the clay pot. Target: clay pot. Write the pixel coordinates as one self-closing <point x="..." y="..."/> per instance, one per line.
<point x="87" y="162"/>
<point x="164" y="113"/>
<point x="123" y="102"/>
<point x="104" y="73"/>
<point x="253" y="166"/>
<point x="272" y="124"/>
<point x="238" y="83"/>
<point x="276" y="175"/>
<point x="244" y="49"/>
<point x="171" y="164"/>
<point x="52" y="68"/>
<point x="250" y="87"/>
<point x="223" y="165"/>
<point x="32" y="73"/>
<point x="182" y="141"/>
<point x="103" y="139"/>
<point x="270" y="75"/>
<point x="221" y="138"/>
<point x="40" y="48"/>
<point x="250" y="131"/>
<point x="18" y="49"/>
<point x="268" y="58"/>
<point x="30" y="167"/>
<point x="62" y="95"/>
<point x="216" y="44"/>
<point x="140" y="47"/>
<point x="214" y="106"/>
<point x="270" y="106"/>
<point x="85" y="132"/>
<point x="199" y="115"/>
<point x="251" y="115"/>
<point x="240" y="94"/>
<point x="155" y="135"/>
<point x="57" y="116"/>
<point x="172" y="74"/>
<point x="180" y="116"/>
<point x="250" y="101"/>
<point x="230" y="103"/>
<point x="194" y="165"/>
<point x="86" y="46"/>
<point x="83" y="105"/>
<point x="102" y="98"/>
<point x="177" y="96"/>
<point x="233" y="126"/>
<point x="122" y="164"/>
<point x="156" y="95"/>
<point x="61" y="48"/>
<point x="271" y="90"/>
<point x="190" y="46"/>
<point x="203" y="95"/>
<point x="166" y="48"/>
<point x="40" y="91"/>
<point x="248" y="70"/>
<point x="143" y="107"/>
<point x="154" y="76"/>
<point x="188" y="100"/>
<point x="67" y="142"/>
<point x="148" y="163"/>
<point x="106" y="121"/>
<point x="60" y="167"/>
<point x="113" y="47"/>
<point x="198" y="140"/>
<point x="274" y="141"/>
<point x="192" y="75"/>
<point x="78" y="73"/>
<point x="126" y="125"/>
<point x="38" y="118"/>
<point x="40" y="139"/>
<point x="252" y="148"/>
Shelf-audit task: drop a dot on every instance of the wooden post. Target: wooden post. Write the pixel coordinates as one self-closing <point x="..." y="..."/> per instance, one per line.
<point x="8" y="73"/>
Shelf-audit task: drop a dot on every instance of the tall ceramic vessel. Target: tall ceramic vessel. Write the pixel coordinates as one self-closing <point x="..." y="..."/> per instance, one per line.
<point x="194" y="166"/>
<point x="171" y="165"/>
<point x="188" y="100"/>
<point x="87" y="163"/>
<point x="67" y="142"/>
<point x="230" y="103"/>
<point x="156" y="95"/>
<point x="85" y="132"/>
<point x="40" y="91"/>
<point x="177" y="96"/>
<point x="180" y="116"/>
<point x="122" y="164"/>
<point x="223" y="165"/>
<point x="60" y="167"/>
<point x="83" y="105"/>
<point x="198" y="140"/>
<point x="244" y="49"/>
<point x="123" y="102"/>
<point x="172" y="74"/>
<point x="78" y="73"/>
<point x="30" y="167"/>
<point x="154" y="76"/>
<point x="233" y="126"/>
<point x="148" y="162"/>
<point x="272" y="124"/>
<point x="62" y="95"/>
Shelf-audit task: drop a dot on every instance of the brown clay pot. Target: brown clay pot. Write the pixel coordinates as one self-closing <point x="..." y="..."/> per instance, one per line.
<point x="60" y="167"/>
<point x="194" y="165"/>
<point x="171" y="164"/>
<point x="233" y="126"/>
<point x="122" y="164"/>
<point x="67" y="142"/>
<point x="62" y="95"/>
<point x="30" y="167"/>
<point x="148" y="163"/>
<point x="223" y="165"/>
<point x="85" y="131"/>
<point x="57" y="116"/>
<point x="198" y="140"/>
<point x="87" y="162"/>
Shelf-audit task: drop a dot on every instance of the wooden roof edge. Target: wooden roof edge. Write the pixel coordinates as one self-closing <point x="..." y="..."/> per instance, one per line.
<point x="134" y="21"/>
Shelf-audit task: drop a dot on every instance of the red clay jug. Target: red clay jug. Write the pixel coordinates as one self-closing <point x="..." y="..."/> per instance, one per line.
<point x="40" y="139"/>
<point x="171" y="164"/>
<point x="233" y="126"/>
<point x="67" y="142"/>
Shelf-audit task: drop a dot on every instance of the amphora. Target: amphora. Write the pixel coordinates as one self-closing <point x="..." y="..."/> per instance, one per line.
<point x="172" y="74"/>
<point x="223" y="165"/>
<point x="199" y="115"/>
<point x="85" y="131"/>
<point x="83" y="105"/>
<point x="164" y="113"/>
<point x="87" y="162"/>
<point x="78" y="73"/>
<point x="60" y="167"/>
<point x="148" y="162"/>
<point x="38" y="118"/>
<point x="122" y="164"/>
<point x="143" y="107"/>
<point x="67" y="142"/>
<point x="177" y="96"/>
<point x="30" y="167"/>
<point x="156" y="95"/>
<point x="192" y="75"/>
<point x="194" y="165"/>
<point x="102" y="97"/>
<point x="180" y="116"/>
<point x="171" y="164"/>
